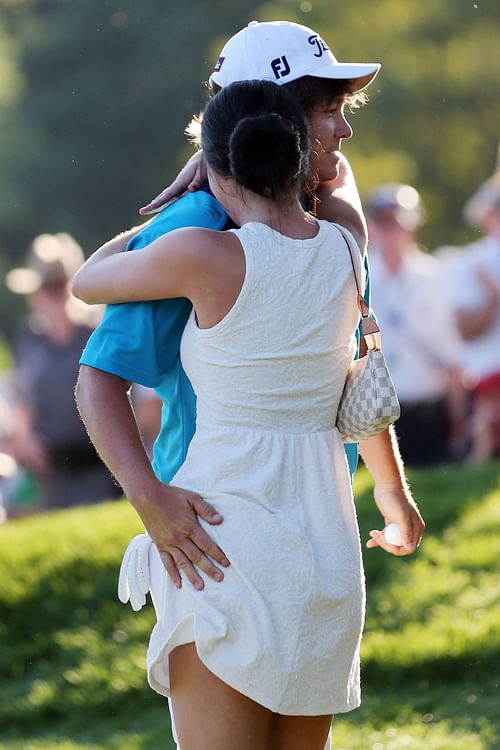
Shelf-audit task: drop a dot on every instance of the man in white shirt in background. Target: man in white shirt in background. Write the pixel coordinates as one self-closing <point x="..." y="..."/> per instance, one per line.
<point x="418" y="332"/>
<point x="475" y="295"/>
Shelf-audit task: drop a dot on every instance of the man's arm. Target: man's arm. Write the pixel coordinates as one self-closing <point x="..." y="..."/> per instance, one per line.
<point x="170" y="514"/>
<point x="339" y="202"/>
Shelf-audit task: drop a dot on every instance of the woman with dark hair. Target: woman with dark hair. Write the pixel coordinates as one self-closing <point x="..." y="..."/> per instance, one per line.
<point x="266" y="656"/>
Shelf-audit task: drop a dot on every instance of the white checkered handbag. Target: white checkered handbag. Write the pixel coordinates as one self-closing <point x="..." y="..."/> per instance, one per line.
<point x="369" y="403"/>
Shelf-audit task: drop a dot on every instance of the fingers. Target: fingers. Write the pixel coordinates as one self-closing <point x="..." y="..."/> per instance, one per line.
<point x="158" y="203"/>
<point x="202" y="562"/>
<point x="171" y="568"/>
<point x="202" y="540"/>
<point x="378" y="540"/>
<point x="186" y="549"/>
<point x="407" y="535"/>
<point x="188" y="557"/>
<point x="187" y="568"/>
<point x="417" y="525"/>
<point x="206" y="544"/>
<point x="194" y="551"/>
<point x="200" y="175"/>
<point x="191" y="177"/>
<point x="205" y="510"/>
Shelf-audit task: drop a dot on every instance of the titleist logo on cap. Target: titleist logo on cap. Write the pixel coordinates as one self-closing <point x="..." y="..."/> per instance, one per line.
<point x="320" y="43"/>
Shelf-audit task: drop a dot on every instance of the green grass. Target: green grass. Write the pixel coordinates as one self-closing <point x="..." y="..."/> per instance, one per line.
<point x="72" y="657"/>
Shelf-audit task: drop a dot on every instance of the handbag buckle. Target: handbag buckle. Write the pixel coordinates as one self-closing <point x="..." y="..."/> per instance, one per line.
<point x="369" y="328"/>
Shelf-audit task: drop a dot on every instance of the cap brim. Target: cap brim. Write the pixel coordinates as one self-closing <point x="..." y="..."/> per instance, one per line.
<point x="361" y="74"/>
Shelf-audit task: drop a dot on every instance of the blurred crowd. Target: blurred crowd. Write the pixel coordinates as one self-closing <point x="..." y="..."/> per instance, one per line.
<point x="47" y="461"/>
<point x="439" y="315"/>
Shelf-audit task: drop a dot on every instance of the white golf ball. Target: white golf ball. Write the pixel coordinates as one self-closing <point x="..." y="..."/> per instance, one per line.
<point x="392" y="535"/>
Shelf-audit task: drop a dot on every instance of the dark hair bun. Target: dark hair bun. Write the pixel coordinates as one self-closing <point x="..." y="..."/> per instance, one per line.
<point x="265" y="154"/>
<point x="256" y="132"/>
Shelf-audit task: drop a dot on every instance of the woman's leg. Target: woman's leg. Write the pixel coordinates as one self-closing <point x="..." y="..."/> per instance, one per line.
<point x="211" y="715"/>
<point x="299" y="732"/>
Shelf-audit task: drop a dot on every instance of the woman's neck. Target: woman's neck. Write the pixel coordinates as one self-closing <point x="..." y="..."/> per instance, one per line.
<point x="285" y="215"/>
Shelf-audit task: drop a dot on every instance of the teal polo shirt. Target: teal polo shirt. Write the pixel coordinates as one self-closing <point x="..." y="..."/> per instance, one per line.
<point x="140" y="341"/>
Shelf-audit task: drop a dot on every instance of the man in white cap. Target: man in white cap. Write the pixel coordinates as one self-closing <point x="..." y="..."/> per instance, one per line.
<point x="279" y="51"/>
<point x="476" y="298"/>
<point x="288" y="54"/>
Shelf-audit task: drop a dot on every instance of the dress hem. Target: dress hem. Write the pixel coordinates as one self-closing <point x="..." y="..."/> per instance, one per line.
<point x="171" y="643"/>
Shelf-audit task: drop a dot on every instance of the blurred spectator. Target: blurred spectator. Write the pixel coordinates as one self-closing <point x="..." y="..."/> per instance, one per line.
<point x="476" y="298"/>
<point x="49" y="439"/>
<point x="418" y="333"/>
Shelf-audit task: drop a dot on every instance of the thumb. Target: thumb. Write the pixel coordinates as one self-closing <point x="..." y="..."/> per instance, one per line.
<point x="206" y="511"/>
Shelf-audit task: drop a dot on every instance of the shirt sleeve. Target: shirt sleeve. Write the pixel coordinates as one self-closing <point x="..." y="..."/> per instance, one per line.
<point x="139" y="341"/>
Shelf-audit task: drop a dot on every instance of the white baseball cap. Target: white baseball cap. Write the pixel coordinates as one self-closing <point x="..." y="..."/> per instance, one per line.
<point x="282" y="51"/>
<point x="401" y="202"/>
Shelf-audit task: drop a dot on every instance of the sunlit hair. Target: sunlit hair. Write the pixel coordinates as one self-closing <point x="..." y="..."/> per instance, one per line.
<point x="314" y="92"/>
<point x="193" y="129"/>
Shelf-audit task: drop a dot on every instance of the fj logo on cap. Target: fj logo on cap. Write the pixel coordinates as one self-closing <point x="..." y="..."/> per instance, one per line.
<point x="280" y="67"/>
<point x="218" y="64"/>
<point x="320" y="44"/>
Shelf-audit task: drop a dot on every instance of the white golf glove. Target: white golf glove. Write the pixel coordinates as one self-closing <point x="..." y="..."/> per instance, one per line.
<point x="134" y="580"/>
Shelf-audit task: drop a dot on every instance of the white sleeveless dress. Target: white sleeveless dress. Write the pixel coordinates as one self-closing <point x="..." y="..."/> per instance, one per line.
<point x="284" y="627"/>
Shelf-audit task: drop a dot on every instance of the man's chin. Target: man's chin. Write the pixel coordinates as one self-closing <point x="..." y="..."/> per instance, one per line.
<point x="329" y="174"/>
<point x="323" y="175"/>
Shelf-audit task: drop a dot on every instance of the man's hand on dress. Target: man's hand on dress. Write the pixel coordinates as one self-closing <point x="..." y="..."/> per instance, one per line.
<point x="397" y="506"/>
<point x="170" y="515"/>
<point x="191" y="177"/>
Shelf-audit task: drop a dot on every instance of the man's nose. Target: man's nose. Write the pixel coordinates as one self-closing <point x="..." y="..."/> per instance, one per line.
<point x="344" y="129"/>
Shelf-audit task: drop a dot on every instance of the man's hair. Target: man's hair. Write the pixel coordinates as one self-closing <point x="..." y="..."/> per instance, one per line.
<point x="313" y="92"/>
<point x="309" y="91"/>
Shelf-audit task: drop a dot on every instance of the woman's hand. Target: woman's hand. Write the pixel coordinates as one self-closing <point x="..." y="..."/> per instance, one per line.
<point x="170" y="515"/>
<point x="191" y="177"/>
<point x="397" y="506"/>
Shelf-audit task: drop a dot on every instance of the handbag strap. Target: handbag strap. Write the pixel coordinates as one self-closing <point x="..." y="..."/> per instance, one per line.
<point x="370" y="330"/>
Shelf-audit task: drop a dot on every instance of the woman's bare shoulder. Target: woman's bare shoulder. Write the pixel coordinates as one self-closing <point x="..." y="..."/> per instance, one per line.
<point x="197" y="237"/>
<point x="201" y="250"/>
